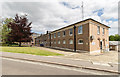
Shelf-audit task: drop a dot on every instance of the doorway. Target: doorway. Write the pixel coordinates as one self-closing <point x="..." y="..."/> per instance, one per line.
<point x="101" y="45"/>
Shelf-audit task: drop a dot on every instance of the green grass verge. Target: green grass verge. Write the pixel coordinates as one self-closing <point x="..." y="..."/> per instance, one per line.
<point x="30" y="50"/>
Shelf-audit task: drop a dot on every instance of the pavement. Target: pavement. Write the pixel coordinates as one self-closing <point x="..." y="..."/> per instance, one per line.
<point x="106" y="57"/>
<point x="17" y="67"/>
<point x="113" y="68"/>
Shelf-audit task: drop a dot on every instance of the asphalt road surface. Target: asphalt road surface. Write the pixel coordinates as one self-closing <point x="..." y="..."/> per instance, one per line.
<point x="20" y="67"/>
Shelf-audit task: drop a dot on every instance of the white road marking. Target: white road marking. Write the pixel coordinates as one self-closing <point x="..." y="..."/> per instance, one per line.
<point x="58" y="66"/>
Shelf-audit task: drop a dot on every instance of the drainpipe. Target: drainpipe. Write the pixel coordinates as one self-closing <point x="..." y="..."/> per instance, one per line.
<point x="50" y="39"/>
<point x="74" y="38"/>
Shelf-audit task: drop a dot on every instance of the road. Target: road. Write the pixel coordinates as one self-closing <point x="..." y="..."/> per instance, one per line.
<point x="19" y="67"/>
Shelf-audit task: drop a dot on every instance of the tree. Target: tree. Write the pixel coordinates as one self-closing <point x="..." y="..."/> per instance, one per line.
<point x="111" y="38"/>
<point x="115" y="37"/>
<point x="20" y="30"/>
<point x="5" y="30"/>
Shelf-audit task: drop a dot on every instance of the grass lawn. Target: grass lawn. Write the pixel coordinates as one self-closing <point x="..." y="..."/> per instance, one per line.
<point x="30" y="50"/>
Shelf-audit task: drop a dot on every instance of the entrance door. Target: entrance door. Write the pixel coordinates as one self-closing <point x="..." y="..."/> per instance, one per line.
<point x="101" y="45"/>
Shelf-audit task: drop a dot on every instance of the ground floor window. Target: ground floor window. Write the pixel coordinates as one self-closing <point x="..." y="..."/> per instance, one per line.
<point x="64" y="42"/>
<point x="51" y="42"/>
<point x="80" y="41"/>
<point x="59" y="42"/>
<point x="70" y="41"/>
<point x="54" y="42"/>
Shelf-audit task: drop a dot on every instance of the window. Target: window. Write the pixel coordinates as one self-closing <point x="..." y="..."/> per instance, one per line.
<point x="54" y="35"/>
<point x="58" y="34"/>
<point x="71" y="41"/>
<point x="103" y="31"/>
<point x="98" y="30"/>
<point x="64" y="42"/>
<point x="59" y="42"/>
<point x="70" y="32"/>
<point x="63" y="33"/>
<point x="51" y="36"/>
<point x="80" y="41"/>
<point x="54" y="42"/>
<point x="80" y="30"/>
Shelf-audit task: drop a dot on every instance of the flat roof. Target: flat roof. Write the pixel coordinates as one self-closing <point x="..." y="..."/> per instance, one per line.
<point x="79" y="22"/>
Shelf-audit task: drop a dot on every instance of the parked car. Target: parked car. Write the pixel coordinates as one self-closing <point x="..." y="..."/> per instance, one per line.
<point x="41" y="45"/>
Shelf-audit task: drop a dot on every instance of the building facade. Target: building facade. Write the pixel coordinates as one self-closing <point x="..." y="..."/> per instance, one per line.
<point x="87" y="35"/>
<point x="33" y="41"/>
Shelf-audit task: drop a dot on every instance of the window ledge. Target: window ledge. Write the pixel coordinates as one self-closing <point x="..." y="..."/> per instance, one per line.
<point x="70" y="34"/>
<point x="80" y="33"/>
<point x="80" y="43"/>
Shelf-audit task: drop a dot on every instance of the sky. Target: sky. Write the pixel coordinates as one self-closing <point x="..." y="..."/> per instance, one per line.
<point x="54" y="14"/>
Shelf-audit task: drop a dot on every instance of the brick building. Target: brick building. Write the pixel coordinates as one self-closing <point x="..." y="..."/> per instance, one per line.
<point x="33" y="36"/>
<point x="87" y="35"/>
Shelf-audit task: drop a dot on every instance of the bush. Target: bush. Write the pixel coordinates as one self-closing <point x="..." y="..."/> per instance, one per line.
<point x="6" y="44"/>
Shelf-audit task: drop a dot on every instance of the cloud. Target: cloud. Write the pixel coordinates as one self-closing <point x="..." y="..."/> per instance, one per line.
<point x="51" y="15"/>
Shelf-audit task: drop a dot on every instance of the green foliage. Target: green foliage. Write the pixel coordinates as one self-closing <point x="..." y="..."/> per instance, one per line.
<point x="9" y="44"/>
<point x="115" y="37"/>
<point x="5" y="30"/>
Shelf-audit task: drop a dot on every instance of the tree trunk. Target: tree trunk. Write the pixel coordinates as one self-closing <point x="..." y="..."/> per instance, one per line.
<point x="19" y="44"/>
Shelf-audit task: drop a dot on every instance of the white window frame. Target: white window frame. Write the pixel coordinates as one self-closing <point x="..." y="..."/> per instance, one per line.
<point x="54" y="42"/>
<point x="54" y="35"/>
<point x="103" y="31"/>
<point x="64" y="42"/>
<point x="59" y="42"/>
<point x="98" y="29"/>
<point x="80" y="28"/>
<point x="70" y="41"/>
<point x="63" y="34"/>
<point x="58" y="34"/>
<point x="49" y="36"/>
<point x="69" y="32"/>
<point x="79" y="41"/>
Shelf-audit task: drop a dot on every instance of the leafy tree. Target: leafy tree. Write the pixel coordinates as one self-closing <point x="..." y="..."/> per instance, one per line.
<point x="115" y="37"/>
<point x="5" y="30"/>
<point x="20" y="30"/>
<point x="111" y="38"/>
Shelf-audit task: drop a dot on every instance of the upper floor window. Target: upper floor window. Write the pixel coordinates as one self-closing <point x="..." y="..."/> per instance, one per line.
<point x="58" y="34"/>
<point x="49" y="36"/>
<point x="70" y="32"/>
<point x="98" y="29"/>
<point x="54" y="35"/>
<point x="70" y="41"/>
<point x="63" y="33"/>
<point x="80" y="41"/>
<point x="103" y="31"/>
<point x="80" y="29"/>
